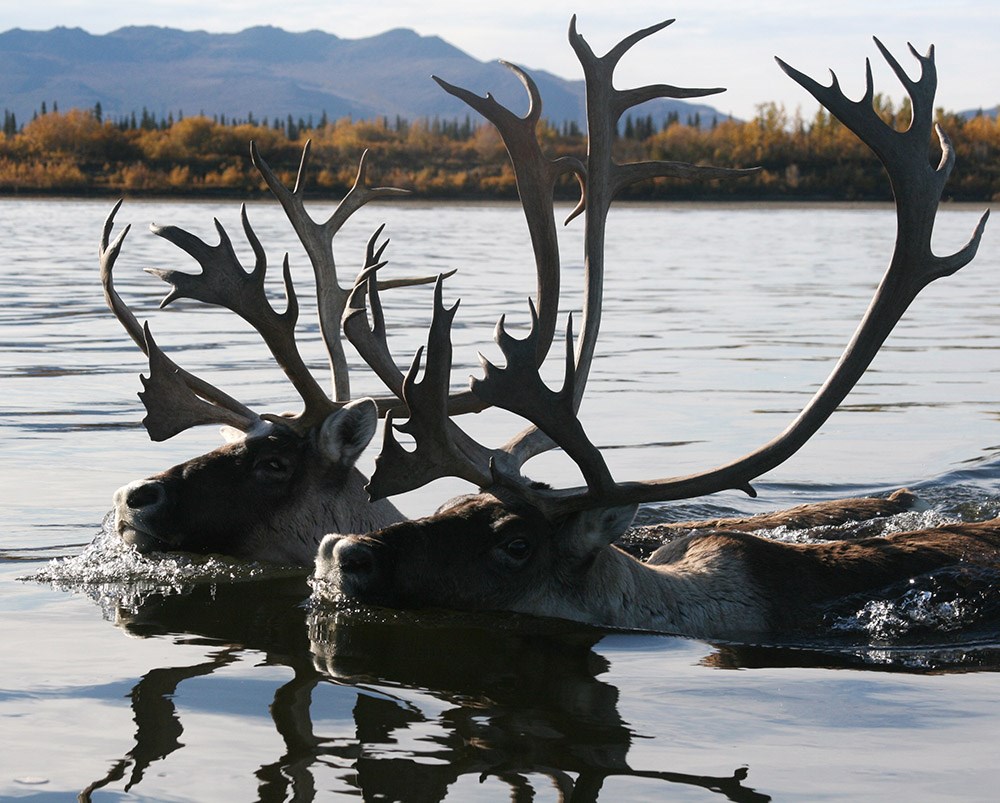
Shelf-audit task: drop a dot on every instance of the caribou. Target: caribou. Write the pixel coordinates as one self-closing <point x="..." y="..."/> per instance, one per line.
<point x="281" y="482"/>
<point x="522" y="546"/>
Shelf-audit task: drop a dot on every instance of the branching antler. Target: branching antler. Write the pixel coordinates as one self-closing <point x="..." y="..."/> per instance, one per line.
<point x="174" y="399"/>
<point x="606" y="177"/>
<point x="224" y="282"/>
<point x="370" y="338"/>
<point x="441" y="448"/>
<point x="536" y="178"/>
<point x="317" y="239"/>
<point x="518" y="387"/>
<point x="917" y="187"/>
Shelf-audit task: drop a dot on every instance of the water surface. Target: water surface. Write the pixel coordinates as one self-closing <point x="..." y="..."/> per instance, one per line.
<point x="720" y="322"/>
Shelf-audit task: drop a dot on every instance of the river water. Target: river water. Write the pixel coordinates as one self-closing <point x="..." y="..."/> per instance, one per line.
<point x="720" y="322"/>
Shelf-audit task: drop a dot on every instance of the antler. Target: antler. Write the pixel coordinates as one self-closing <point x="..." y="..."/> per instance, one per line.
<point x="917" y="187"/>
<point x="606" y="177"/>
<point x="518" y="387"/>
<point x="225" y="283"/>
<point x="174" y="399"/>
<point x="442" y="448"/>
<point x="536" y="177"/>
<point x="317" y="239"/>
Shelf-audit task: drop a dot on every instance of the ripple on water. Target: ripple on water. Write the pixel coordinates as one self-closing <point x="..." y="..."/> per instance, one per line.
<point x="116" y="576"/>
<point x="953" y="600"/>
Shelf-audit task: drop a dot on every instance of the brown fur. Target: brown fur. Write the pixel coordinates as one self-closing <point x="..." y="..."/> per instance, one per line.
<point x="641" y="542"/>
<point x="484" y="554"/>
<point x="797" y="578"/>
<point x="801" y="517"/>
<point x="271" y="496"/>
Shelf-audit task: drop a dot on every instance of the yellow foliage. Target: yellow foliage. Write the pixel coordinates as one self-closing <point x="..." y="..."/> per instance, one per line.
<point x="40" y="175"/>
<point x="76" y="133"/>
<point x="817" y="157"/>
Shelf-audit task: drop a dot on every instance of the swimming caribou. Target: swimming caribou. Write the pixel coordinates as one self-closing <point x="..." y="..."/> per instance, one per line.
<point x="281" y="482"/>
<point x="517" y="545"/>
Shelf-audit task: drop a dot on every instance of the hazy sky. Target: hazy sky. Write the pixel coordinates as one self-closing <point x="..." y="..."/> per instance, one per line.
<point x="713" y="43"/>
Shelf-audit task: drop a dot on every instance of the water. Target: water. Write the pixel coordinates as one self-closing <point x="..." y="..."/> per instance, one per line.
<point x="196" y="681"/>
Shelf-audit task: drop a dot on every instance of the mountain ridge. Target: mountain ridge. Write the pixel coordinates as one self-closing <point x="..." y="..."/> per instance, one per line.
<point x="269" y="72"/>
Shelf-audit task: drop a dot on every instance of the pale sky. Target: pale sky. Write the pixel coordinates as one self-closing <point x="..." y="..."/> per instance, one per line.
<point x="713" y="43"/>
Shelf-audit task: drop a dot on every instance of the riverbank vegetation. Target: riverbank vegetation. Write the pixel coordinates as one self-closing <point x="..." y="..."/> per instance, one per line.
<point x="79" y="152"/>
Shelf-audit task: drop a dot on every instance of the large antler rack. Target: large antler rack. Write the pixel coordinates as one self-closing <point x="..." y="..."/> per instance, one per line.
<point x="606" y="178"/>
<point x="317" y="239"/>
<point x="518" y="387"/>
<point x="917" y="187"/>
<point x="174" y="399"/>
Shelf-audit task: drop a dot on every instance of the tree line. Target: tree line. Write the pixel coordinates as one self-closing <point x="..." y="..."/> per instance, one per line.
<point x="80" y="152"/>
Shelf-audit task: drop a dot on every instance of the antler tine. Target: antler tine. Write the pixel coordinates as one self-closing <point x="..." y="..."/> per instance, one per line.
<point x="317" y="240"/>
<point x="519" y="388"/>
<point x="918" y="188"/>
<point x="224" y="282"/>
<point x="442" y="449"/>
<point x="175" y="400"/>
<point x="108" y="255"/>
<point x="370" y="338"/>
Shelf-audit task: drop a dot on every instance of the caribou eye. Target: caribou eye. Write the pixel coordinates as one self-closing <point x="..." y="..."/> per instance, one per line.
<point x="518" y="548"/>
<point x="274" y="467"/>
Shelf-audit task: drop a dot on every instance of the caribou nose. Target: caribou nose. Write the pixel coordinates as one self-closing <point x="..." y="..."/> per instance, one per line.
<point x="324" y="555"/>
<point x="353" y="557"/>
<point x="141" y="496"/>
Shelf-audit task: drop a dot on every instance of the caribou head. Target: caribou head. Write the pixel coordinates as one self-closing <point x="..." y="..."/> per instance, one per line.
<point x="282" y="481"/>
<point x="521" y="546"/>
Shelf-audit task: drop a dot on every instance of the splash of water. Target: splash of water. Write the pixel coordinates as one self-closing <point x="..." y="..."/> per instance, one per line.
<point x="951" y="600"/>
<point x="116" y="576"/>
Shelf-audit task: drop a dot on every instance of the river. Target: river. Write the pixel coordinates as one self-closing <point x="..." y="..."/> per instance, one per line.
<point x="720" y="322"/>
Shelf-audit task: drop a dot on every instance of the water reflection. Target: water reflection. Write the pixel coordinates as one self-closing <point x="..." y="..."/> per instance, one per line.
<point x="516" y="704"/>
<point x="158" y="726"/>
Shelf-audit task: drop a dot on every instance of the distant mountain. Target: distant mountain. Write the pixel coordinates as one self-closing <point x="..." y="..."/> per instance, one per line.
<point x="970" y="113"/>
<point x="270" y="73"/>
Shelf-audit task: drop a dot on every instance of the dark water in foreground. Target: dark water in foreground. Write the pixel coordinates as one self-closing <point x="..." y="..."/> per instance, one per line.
<point x="178" y="681"/>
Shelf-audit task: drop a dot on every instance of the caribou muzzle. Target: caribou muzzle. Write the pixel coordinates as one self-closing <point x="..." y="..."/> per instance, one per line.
<point x="351" y="565"/>
<point x="141" y="509"/>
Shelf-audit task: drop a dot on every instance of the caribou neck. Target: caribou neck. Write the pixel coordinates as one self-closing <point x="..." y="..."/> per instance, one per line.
<point x="700" y="593"/>
<point x="366" y="517"/>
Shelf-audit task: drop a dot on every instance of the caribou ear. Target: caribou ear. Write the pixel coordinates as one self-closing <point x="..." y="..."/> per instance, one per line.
<point x="346" y="432"/>
<point x="590" y="530"/>
<point x="232" y="434"/>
